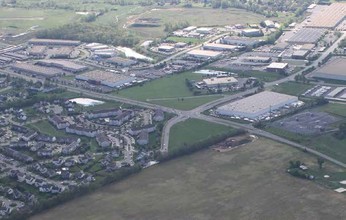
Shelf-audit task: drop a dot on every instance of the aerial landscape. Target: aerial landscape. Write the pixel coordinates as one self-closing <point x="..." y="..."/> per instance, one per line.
<point x="172" y="109"/>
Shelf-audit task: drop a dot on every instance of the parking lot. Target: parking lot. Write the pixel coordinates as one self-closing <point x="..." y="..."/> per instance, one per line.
<point x="309" y="123"/>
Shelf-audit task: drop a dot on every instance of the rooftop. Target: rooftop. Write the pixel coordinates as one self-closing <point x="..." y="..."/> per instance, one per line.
<point x="257" y="102"/>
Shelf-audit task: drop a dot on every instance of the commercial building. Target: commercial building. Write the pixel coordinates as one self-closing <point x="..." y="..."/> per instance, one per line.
<point x="60" y="52"/>
<point x="204" y="54"/>
<point x="35" y="70"/>
<point x="277" y="67"/>
<point x="54" y="42"/>
<point x="330" y="17"/>
<point x="105" y="78"/>
<point x="252" y="32"/>
<point x="220" y="82"/>
<point x="257" y="105"/>
<point x="307" y="36"/>
<point x="37" y="51"/>
<point x="219" y="47"/>
<point x="334" y="69"/>
<point x="63" y="65"/>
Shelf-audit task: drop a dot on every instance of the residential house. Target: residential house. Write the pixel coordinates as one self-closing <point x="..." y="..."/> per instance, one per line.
<point x="58" y="122"/>
<point x="159" y="115"/>
<point x="103" y="141"/>
<point x="143" y="138"/>
<point x="74" y="129"/>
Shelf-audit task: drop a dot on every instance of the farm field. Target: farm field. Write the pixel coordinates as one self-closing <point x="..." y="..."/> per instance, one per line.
<point x="166" y="91"/>
<point x="246" y="183"/>
<point x="193" y="131"/>
<point x="17" y="20"/>
<point x="292" y="88"/>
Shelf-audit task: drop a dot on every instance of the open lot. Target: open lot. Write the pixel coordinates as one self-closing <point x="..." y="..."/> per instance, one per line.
<point x="246" y="183"/>
<point x="292" y="88"/>
<point x="194" y="16"/>
<point x="166" y="91"/>
<point x="193" y="131"/>
<point x="45" y="127"/>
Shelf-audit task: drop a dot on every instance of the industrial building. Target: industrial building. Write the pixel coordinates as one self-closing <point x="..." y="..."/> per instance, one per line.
<point x="64" y="65"/>
<point x="166" y="49"/>
<point x="307" y="36"/>
<point x="300" y="54"/>
<point x="220" y="82"/>
<point x="105" y="78"/>
<point x="277" y="67"/>
<point x="37" y="51"/>
<point x="54" y="42"/>
<point x="330" y="17"/>
<point x="204" y="30"/>
<point x="239" y="41"/>
<point x="119" y="61"/>
<point x="219" y="47"/>
<point x="334" y="69"/>
<point x="257" y="105"/>
<point x="204" y="54"/>
<point x="35" y="70"/>
<point x="252" y="32"/>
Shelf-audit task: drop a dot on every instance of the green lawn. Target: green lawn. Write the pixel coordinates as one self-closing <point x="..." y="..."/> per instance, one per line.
<point x="167" y="90"/>
<point x="263" y="76"/>
<point x="292" y="88"/>
<point x="20" y="19"/>
<point x="335" y="109"/>
<point x="193" y="131"/>
<point x="45" y="127"/>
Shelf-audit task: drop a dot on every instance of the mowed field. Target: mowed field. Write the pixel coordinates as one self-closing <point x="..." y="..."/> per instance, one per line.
<point x="195" y="16"/>
<point x="246" y="183"/>
<point x="192" y="131"/>
<point x="169" y="91"/>
<point x="20" y="19"/>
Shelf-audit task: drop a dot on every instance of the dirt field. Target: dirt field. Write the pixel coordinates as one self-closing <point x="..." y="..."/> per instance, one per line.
<point x="247" y="183"/>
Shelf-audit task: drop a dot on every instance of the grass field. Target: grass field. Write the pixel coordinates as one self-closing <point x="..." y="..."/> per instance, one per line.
<point x="45" y="127"/>
<point x="19" y="19"/>
<point x="193" y="131"/>
<point x="335" y="109"/>
<point x="167" y="90"/>
<point x="292" y="88"/>
<point x="263" y="76"/>
<point x="247" y="183"/>
<point x="195" y="16"/>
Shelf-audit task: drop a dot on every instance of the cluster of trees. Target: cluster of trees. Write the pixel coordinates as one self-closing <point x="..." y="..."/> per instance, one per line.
<point x="169" y="27"/>
<point x="268" y="8"/>
<point x="90" y="33"/>
<point x="341" y="133"/>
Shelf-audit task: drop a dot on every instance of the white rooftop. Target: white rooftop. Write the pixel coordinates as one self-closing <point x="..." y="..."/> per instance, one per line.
<point x="257" y="102"/>
<point x="277" y="65"/>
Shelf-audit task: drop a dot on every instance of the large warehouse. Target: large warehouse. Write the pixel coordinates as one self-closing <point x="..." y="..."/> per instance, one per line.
<point x="28" y="68"/>
<point x="219" y="47"/>
<point x="330" y="17"/>
<point x="220" y="81"/>
<point x="105" y="78"/>
<point x="307" y="36"/>
<point x="64" y="65"/>
<point x="334" y="69"/>
<point x="256" y="105"/>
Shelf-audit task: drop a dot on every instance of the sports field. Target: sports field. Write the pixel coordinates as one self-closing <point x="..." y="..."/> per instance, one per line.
<point x="170" y="91"/>
<point x="246" y="183"/>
